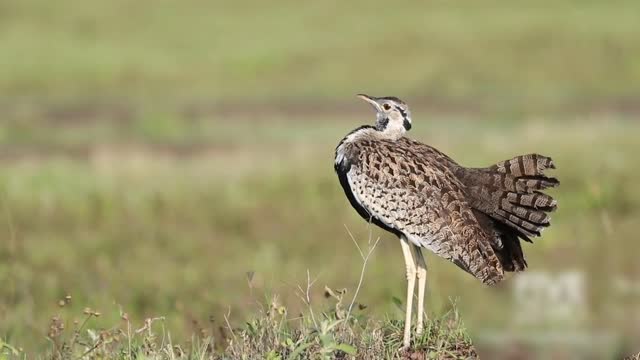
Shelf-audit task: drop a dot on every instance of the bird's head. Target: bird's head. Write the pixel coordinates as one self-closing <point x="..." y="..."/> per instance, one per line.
<point x="392" y="114"/>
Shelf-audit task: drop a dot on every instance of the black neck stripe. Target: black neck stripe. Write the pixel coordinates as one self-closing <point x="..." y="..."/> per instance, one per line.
<point x="406" y="124"/>
<point x="382" y="124"/>
<point x="404" y="114"/>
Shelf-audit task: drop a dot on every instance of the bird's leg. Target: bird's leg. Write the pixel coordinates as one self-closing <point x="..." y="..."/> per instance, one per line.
<point x="411" y="280"/>
<point x="421" y="274"/>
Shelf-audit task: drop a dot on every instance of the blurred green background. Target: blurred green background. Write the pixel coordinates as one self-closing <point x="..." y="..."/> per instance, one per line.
<point x="154" y="152"/>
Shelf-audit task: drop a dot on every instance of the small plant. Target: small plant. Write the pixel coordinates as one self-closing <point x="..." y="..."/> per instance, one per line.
<point x="271" y="334"/>
<point x="633" y="357"/>
<point x="7" y="351"/>
<point x="334" y="329"/>
<point x="74" y="340"/>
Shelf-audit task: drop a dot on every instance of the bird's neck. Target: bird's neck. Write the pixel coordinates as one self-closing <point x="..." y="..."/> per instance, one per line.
<point x="367" y="131"/>
<point x="392" y="130"/>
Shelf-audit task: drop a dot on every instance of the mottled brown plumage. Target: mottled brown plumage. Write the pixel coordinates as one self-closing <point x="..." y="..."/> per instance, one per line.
<point x="474" y="217"/>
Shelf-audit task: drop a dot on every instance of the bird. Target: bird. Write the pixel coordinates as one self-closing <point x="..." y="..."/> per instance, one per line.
<point x="473" y="217"/>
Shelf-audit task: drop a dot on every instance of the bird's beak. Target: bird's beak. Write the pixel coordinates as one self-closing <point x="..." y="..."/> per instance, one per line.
<point x="370" y="100"/>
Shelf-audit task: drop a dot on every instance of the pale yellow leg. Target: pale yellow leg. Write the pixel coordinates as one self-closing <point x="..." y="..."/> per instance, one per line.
<point x="411" y="280"/>
<point x="421" y="274"/>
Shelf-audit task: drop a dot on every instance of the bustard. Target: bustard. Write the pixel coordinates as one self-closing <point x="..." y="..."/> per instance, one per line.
<point x="474" y="217"/>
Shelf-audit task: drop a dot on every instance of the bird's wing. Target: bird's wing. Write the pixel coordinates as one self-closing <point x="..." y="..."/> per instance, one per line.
<point x="421" y="197"/>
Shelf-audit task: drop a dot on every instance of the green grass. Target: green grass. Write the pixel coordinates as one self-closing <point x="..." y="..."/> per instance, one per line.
<point x="497" y="54"/>
<point x="171" y="234"/>
<point x="154" y="152"/>
<point x="272" y="334"/>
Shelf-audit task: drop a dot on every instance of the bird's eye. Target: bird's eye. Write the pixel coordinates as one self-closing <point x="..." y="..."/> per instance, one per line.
<point x="386" y="106"/>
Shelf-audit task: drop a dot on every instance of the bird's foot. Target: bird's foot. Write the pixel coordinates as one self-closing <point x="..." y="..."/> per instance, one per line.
<point x="406" y="344"/>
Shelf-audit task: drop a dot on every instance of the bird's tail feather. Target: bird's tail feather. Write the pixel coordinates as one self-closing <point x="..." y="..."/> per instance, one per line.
<point x="510" y="194"/>
<point x="521" y="204"/>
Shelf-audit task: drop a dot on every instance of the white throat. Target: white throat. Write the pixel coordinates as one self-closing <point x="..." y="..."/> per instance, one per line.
<point x="393" y="130"/>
